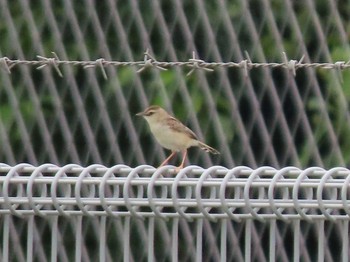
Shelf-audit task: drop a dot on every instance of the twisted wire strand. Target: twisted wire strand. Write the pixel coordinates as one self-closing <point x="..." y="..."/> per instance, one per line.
<point x="150" y="62"/>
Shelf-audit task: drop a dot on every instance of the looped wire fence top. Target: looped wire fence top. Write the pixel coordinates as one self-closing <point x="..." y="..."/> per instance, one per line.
<point x="142" y="192"/>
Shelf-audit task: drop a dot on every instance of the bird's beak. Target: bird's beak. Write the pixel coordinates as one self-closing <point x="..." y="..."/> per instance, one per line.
<point x="140" y="114"/>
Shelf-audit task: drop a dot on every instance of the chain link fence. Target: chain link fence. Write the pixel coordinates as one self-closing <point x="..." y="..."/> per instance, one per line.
<point x="264" y="82"/>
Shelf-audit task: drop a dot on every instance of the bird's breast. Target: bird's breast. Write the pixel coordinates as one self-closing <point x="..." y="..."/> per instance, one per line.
<point x="170" y="139"/>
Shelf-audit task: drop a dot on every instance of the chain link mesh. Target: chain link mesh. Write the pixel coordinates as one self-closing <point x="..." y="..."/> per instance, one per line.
<point x="265" y="116"/>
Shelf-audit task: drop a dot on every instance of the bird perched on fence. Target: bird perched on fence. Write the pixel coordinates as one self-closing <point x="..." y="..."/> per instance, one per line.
<point x="172" y="134"/>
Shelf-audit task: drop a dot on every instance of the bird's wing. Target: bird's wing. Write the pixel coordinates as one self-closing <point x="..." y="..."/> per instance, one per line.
<point x="179" y="127"/>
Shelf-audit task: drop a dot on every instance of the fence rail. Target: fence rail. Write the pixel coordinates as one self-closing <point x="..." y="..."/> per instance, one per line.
<point x="143" y="191"/>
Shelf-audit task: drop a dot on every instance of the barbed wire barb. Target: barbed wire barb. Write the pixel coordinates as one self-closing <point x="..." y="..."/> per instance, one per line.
<point x="339" y="66"/>
<point x="245" y="62"/>
<point x="100" y="62"/>
<point x="149" y="61"/>
<point x="290" y="64"/>
<point x="197" y="64"/>
<point x="50" y="61"/>
<point x="301" y="60"/>
<point x="4" y="64"/>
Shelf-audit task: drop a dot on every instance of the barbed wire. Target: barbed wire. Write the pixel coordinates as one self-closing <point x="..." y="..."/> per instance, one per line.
<point x="150" y="62"/>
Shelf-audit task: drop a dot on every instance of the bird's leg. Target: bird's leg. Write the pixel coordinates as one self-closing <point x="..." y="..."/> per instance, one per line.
<point x="182" y="162"/>
<point x="168" y="158"/>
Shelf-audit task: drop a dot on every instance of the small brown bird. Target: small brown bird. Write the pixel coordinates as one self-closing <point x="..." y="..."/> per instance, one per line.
<point x="172" y="134"/>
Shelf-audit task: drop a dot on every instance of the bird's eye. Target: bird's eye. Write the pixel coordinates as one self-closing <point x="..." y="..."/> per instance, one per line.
<point x="150" y="113"/>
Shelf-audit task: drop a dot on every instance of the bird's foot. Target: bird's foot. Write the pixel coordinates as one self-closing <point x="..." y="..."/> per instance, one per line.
<point x="178" y="169"/>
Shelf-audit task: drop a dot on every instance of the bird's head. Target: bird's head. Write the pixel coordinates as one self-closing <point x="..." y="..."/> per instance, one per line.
<point x="153" y="114"/>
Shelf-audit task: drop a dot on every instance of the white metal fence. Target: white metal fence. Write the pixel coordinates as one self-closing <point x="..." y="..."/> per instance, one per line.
<point x="123" y="213"/>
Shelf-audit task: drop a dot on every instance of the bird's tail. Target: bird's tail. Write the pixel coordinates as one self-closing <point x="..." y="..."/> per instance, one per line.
<point x="207" y="148"/>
